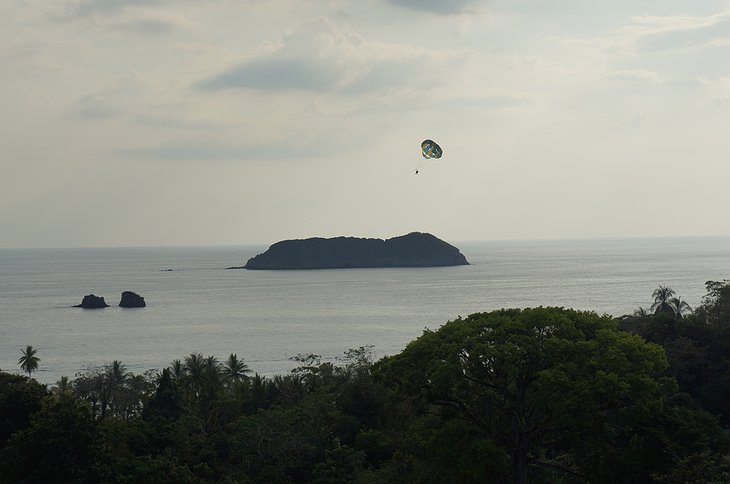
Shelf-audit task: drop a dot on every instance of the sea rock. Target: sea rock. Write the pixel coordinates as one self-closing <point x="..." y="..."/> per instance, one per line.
<point x="412" y="250"/>
<point x="131" y="300"/>
<point x="92" y="302"/>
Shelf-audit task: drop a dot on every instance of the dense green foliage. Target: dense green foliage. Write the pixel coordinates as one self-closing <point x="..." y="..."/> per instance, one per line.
<point x="697" y="347"/>
<point x="563" y="394"/>
<point x="536" y="395"/>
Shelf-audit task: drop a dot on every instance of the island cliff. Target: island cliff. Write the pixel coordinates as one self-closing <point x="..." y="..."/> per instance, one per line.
<point x="413" y="250"/>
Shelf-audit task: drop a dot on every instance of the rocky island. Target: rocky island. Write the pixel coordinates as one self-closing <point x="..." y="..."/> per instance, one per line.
<point x="92" y="301"/>
<point x="412" y="250"/>
<point x="132" y="300"/>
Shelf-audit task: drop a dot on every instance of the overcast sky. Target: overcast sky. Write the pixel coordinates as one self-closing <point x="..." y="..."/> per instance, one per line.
<point x="228" y="122"/>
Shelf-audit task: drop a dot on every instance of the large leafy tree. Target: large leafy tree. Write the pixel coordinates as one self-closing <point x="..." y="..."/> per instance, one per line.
<point x="20" y="399"/>
<point x="715" y="307"/>
<point x="29" y="361"/>
<point x="60" y="445"/>
<point x="112" y="391"/>
<point x="564" y="393"/>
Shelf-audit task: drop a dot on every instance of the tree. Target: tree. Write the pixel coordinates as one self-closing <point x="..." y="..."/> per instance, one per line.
<point x="20" y="398"/>
<point x="89" y="385"/>
<point x="679" y="307"/>
<point x="129" y="398"/>
<point x="29" y="361"/>
<point x="60" y="445"/>
<point x="201" y="384"/>
<point x="116" y="373"/>
<point x="564" y="393"/>
<point x="697" y="345"/>
<point x="194" y="371"/>
<point x="641" y="312"/>
<point x="177" y="370"/>
<point x="63" y="385"/>
<point x="715" y="307"/>
<point x="235" y="370"/>
<point x="165" y="402"/>
<point x="113" y="376"/>
<point x="663" y="300"/>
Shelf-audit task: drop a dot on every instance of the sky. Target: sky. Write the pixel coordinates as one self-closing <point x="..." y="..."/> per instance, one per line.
<point x="245" y="122"/>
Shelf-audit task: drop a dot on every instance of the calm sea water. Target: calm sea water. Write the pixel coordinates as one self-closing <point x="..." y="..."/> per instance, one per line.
<point x="266" y="317"/>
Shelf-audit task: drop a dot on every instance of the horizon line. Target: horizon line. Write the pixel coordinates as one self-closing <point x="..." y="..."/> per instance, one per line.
<point x="464" y="241"/>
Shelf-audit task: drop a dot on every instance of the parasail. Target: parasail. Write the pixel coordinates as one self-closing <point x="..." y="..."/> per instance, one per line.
<point x="429" y="149"/>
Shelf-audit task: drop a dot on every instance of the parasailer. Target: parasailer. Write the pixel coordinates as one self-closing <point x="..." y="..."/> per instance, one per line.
<point x="430" y="149"/>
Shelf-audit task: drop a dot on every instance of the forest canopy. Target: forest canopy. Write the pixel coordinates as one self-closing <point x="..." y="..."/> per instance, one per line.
<point x="535" y="395"/>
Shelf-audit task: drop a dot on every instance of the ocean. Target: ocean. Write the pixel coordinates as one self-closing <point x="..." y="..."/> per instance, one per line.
<point x="195" y="305"/>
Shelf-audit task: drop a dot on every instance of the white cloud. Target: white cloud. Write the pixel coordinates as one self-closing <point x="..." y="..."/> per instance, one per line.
<point x="115" y="100"/>
<point x="141" y="20"/>
<point x="646" y="34"/>
<point x="441" y="6"/>
<point x="668" y="33"/>
<point x="151" y="22"/>
<point x="318" y="56"/>
<point x="86" y="7"/>
<point x="640" y="75"/>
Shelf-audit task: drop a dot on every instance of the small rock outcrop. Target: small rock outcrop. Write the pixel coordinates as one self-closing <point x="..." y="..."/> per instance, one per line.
<point x="412" y="250"/>
<point x="131" y="300"/>
<point x="92" y="302"/>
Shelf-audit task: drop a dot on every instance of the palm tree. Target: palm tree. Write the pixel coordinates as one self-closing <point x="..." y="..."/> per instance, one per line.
<point x="641" y="312"/>
<point x="212" y="374"/>
<point x="234" y="369"/>
<point x="194" y="369"/>
<point x="116" y="373"/>
<point x="680" y="307"/>
<point x="210" y="361"/>
<point x="29" y="361"/>
<point x="662" y="300"/>
<point x="177" y="370"/>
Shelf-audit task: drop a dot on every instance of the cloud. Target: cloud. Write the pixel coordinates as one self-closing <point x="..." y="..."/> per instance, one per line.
<point x="146" y="17"/>
<point x="634" y="121"/>
<point x="122" y="97"/>
<point x="277" y="73"/>
<point x="149" y="25"/>
<point x="671" y="33"/>
<point x="639" y="75"/>
<point x="86" y="7"/>
<point x="319" y="57"/>
<point x="652" y="34"/>
<point x="186" y="151"/>
<point x="719" y="82"/>
<point x="304" y="147"/>
<point x="96" y="106"/>
<point x="440" y="6"/>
